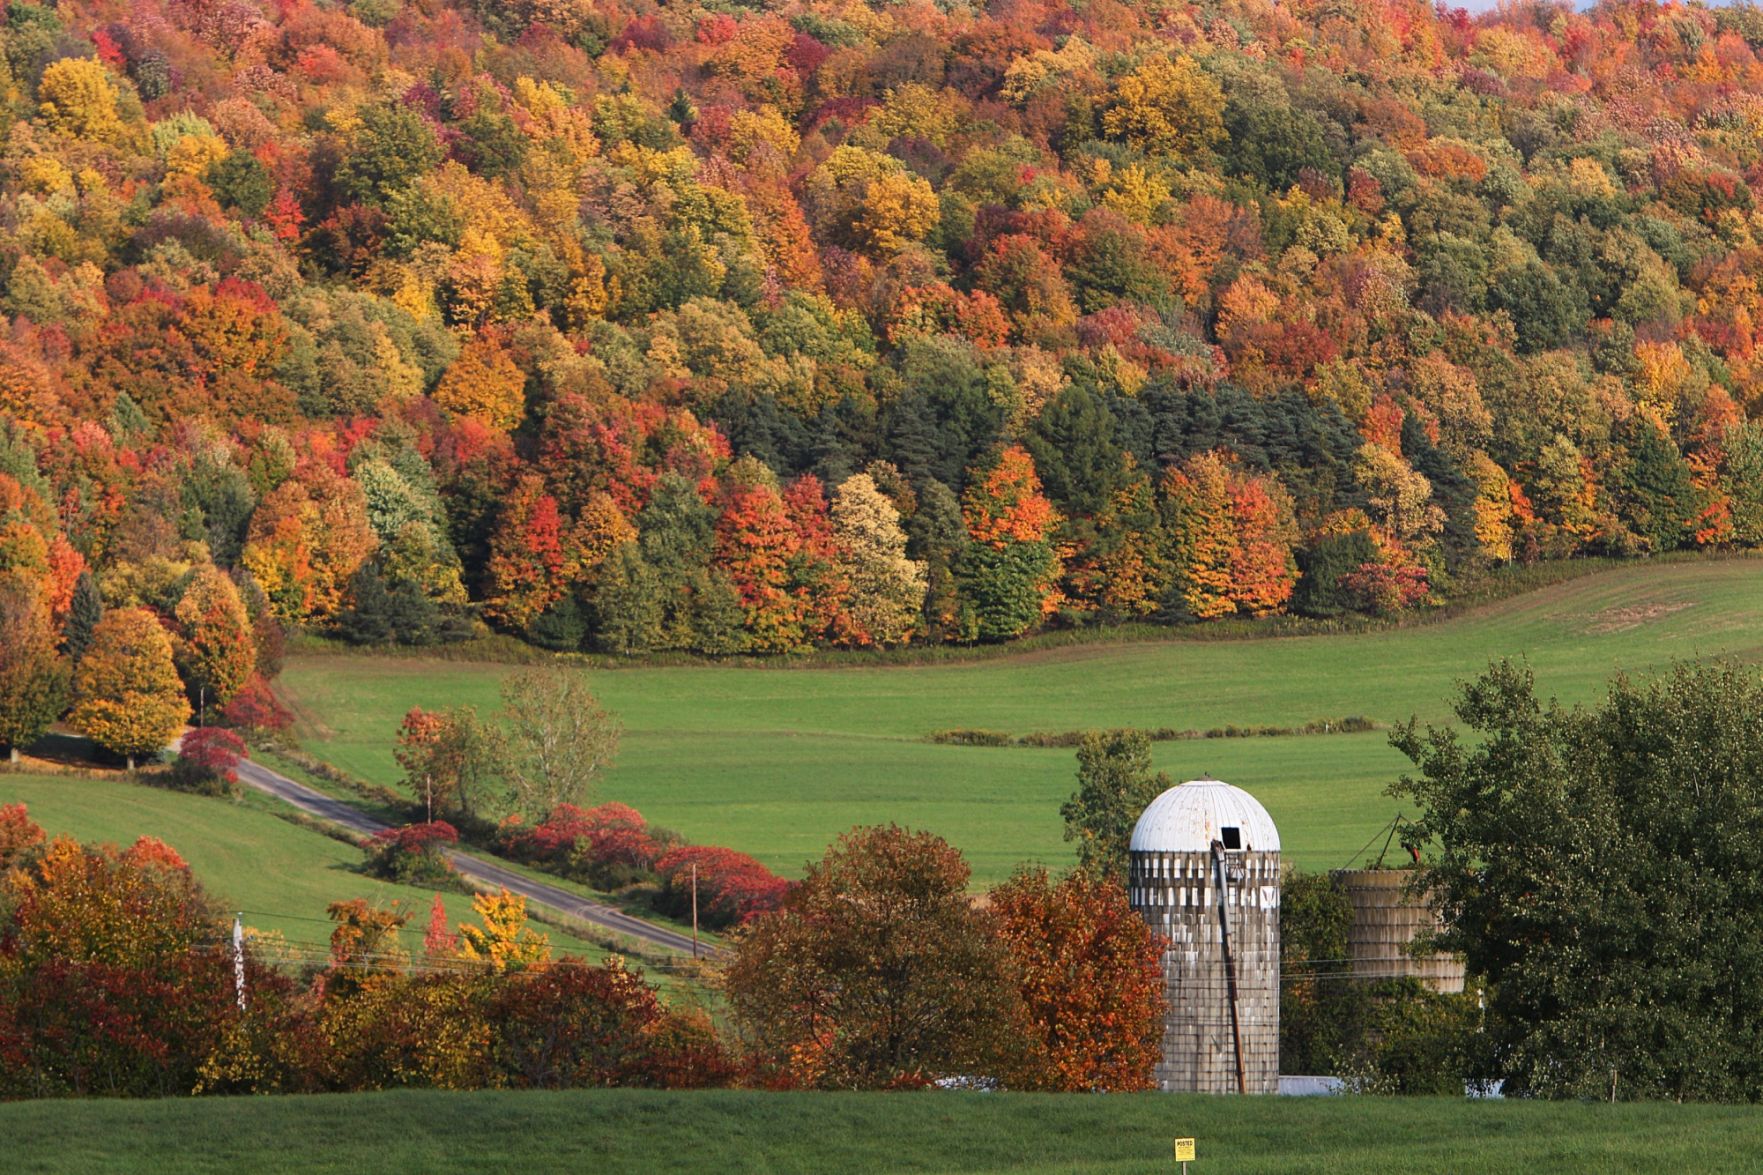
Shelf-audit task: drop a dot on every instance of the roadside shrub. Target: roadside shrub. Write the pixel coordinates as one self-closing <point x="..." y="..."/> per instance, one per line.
<point x="732" y="887"/>
<point x="413" y="853"/>
<point x="255" y="708"/>
<point x="208" y="762"/>
<point x="608" y="846"/>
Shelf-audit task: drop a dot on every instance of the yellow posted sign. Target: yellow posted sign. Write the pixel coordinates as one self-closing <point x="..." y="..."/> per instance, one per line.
<point x="1184" y="1150"/>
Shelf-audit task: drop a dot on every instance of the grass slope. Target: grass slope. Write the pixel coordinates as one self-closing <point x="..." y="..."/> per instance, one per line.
<point x="777" y="761"/>
<point x="281" y="875"/>
<point x="634" y="1130"/>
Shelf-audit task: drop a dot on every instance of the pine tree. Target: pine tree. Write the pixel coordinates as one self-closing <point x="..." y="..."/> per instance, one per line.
<point x="82" y="617"/>
<point x="367" y="620"/>
<point x="1658" y="498"/>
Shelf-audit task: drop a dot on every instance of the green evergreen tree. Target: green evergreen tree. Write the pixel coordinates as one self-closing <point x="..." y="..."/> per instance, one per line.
<point x="1072" y="442"/>
<point x="1003" y="587"/>
<point x="937" y="536"/>
<point x="83" y="615"/>
<point x="367" y="620"/>
<point x="1657" y="498"/>
<point x="1320" y="567"/>
<point x="562" y="627"/>
<point x="628" y="613"/>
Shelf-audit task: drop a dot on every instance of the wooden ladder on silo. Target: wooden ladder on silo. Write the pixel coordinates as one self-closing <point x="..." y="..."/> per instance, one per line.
<point x="1230" y="966"/>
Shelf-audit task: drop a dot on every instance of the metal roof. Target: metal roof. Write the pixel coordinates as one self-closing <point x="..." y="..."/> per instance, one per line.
<point x="1187" y="819"/>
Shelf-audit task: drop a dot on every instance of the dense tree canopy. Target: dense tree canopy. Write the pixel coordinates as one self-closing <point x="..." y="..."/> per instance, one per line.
<point x="582" y="320"/>
<point x="1600" y="866"/>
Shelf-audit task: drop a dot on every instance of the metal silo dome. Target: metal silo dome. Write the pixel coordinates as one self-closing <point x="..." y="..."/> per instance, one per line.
<point x="1188" y="818"/>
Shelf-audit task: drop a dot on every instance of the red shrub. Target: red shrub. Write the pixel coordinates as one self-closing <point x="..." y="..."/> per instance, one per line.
<point x="1381" y="588"/>
<point x="411" y="853"/>
<point x="610" y="844"/>
<point x="208" y="760"/>
<point x="418" y="838"/>
<point x="576" y="1026"/>
<point x="255" y="707"/>
<point x="732" y="887"/>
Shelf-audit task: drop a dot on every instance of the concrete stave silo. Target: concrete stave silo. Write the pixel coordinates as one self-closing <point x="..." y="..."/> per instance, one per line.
<point x="1204" y="874"/>
<point x="1387" y="918"/>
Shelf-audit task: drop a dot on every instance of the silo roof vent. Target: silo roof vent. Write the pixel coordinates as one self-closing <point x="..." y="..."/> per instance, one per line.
<point x="1187" y="819"/>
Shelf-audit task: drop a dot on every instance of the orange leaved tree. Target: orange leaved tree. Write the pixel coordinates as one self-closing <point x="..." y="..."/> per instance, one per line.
<point x="877" y="972"/>
<point x="1089" y="970"/>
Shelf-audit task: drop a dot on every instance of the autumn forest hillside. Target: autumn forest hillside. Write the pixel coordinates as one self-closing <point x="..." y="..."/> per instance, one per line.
<point x="749" y="328"/>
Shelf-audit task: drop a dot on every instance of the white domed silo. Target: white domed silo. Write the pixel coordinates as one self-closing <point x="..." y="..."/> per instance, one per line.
<point x="1205" y="875"/>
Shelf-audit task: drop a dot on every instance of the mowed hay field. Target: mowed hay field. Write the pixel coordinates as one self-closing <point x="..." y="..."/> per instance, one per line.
<point x="643" y="1131"/>
<point x="776" y="761"/>
<point x="281" y="875"/>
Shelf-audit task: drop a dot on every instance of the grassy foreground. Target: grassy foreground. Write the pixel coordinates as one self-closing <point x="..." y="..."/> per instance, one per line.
<point x="777" y="761"/>
<point x="280" y="874"/>
<point x="634" y="1130"/>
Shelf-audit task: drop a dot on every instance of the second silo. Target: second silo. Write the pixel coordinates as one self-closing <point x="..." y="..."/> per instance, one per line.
<point x="1205" y="876"/>
<point x="1387" y="919"/>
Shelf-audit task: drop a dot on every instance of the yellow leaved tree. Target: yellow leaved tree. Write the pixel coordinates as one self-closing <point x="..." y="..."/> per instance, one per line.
<point x="127" y="695"/>
<point x="504" y="940"/>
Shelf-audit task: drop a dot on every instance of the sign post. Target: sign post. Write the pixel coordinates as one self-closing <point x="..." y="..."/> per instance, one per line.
<point x="1184" y="1153"/>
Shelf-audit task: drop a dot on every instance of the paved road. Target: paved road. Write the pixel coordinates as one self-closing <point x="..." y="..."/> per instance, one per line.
<point x="316" y="803"/>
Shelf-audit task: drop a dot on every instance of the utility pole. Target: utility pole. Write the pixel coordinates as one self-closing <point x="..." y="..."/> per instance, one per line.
<point x="694" y="909"/>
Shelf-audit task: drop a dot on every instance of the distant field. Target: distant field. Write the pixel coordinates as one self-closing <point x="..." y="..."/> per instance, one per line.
<point x="777" y="761"/>
<point x="281" y="875"/>
<point x="641" y="1131"/>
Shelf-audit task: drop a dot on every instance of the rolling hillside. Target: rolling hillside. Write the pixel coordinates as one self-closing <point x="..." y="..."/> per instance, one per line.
<point x="777" y="761"/>
<point x="280" y="875"/>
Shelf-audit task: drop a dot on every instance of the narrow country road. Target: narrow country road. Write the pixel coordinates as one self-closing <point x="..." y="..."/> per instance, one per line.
<point x="315" y="803"/>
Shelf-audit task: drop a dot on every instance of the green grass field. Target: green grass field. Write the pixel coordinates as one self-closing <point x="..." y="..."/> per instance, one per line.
<point x="777" y="761"/>
<point x="634" y="1130"/>
<point x="281" y="875"/>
